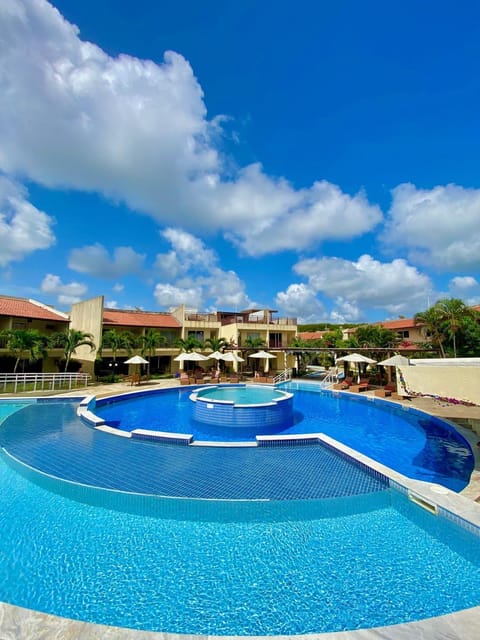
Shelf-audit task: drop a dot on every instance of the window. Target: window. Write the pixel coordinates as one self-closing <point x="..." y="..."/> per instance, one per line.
<point x="198" y="335"/>
<point x="404" y="334"/>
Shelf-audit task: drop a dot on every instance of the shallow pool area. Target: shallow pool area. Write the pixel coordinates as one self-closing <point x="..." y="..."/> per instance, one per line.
<point x="407" y="440"/>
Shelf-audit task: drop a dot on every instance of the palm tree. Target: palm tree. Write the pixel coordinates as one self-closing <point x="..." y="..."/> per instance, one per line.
<point x="150" y="341"/>
<point x="70" y="341"/>
<point x="25" y="344"/>
<point x="453" y="312"/>
<point x="432" y="320"/>
<point x="116" y="341"/>
<point x="189" y="344"/>
<point x="216" y="344"/>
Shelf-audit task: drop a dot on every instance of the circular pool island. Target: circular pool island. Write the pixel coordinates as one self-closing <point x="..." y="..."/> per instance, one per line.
<point x="246" y="409"/>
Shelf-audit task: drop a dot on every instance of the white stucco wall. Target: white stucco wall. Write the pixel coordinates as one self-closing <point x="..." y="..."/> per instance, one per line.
<point x="461" y="382"/>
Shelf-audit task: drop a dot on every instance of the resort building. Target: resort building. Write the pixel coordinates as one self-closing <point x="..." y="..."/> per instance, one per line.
<point x="136" y="326"/>
<point x="25" y="314"/>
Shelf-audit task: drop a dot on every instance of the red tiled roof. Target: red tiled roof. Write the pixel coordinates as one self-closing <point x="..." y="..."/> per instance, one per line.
<point x="311" y="335"/>
<point x="401" y="323"/>
<point x="140" y="319"/>
<point x="23" y="308"/>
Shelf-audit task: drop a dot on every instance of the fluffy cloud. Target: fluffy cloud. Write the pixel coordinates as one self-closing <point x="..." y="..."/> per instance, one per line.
<point x="463" y="282"/>
<point x="23" y="228"/>
<point x="197" y="280"/>
<point x="395" y="286"/>
<point x="302" y="218"/>
<point x="141" y="136"/>
<point x="169" y="296"/>
<point x="438" y="227"/>
<point x="67" y="294"/>
<point x="96" y="261"/>
<point x="301" y="301"/>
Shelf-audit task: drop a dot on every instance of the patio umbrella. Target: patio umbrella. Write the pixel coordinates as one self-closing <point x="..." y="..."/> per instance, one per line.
<point x="356" y="358"/>
<point x="395" y="361"/>
<point x="262" y="355"/>
<point x="136" y="360"/>
<point x="232" y="357"/>
<point x="190" y="356"/>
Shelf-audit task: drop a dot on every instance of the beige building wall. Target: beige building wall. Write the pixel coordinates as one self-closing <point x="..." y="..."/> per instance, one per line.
<point x="87" y="316"/>
<point x="447" y="381"/>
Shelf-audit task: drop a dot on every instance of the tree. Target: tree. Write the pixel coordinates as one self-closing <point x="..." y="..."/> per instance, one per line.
<point x="150" y="341"/>
<point x="70" y="341"/>
<point x="216" y="344"/>
<point x="432" y="320"/>
<point x="375" y="336"/>
<point x="116" y="341"/>
<point x="189" y="344"/>
<point x="453" y="312"/>
<point x="25" y="344"/>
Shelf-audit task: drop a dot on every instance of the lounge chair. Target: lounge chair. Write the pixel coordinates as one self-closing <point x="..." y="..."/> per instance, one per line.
<point x="344" y="384"/>
<point x="362" y="385"/>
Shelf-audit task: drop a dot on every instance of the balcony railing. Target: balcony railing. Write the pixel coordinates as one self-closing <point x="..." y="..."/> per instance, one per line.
<point x="201" y="317"/>
<point x="275" y="321"/>
<point x="21" y="382"/>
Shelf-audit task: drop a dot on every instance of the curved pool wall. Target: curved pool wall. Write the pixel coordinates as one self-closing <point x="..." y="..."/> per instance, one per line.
<point x="245" y="410"/>
<point x="401" y="437"/>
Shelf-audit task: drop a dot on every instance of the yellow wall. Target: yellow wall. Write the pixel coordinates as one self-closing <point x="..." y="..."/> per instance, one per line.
<point x="87" y="316"/>
<point x="446" y="381"/>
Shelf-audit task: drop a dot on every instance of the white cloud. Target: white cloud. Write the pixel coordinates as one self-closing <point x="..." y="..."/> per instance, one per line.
<point x="95" y="261"/>
<point x="169" y="296"/>
<point x="118" y="287"/>
<point x="438" y="227"/>
<point x="141" y="136"/>
<point x="300" y="301"/>
<point x="299" y="219"/>
<point x="67" y="294"/>
<point x="23" y="228"/>
<point x="190" y="269"/>
<point x="394" y="286"/>
<point x="188" y="252"/>
<point x="463" y="282"/>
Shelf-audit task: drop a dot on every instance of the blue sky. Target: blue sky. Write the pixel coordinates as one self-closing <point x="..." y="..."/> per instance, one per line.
<point x="318" y="158"/>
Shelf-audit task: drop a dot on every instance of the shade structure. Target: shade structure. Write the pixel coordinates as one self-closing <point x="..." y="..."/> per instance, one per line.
<point x="190" y="356"/>
<point x="262" y="354"/>
<point x="136" y="360"/>
<point x="231" y="357"/>
<point x="395" y="361"/>
<point x="356" y="357"/>
<point x="217" y="355"/>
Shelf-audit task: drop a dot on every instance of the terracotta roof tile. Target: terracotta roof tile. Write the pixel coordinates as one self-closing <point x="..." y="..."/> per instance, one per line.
<point x="147" y="319"/>
<point x="401" y="323"/>
<point x="311" y="335"/>
<point x="24" y="308"/>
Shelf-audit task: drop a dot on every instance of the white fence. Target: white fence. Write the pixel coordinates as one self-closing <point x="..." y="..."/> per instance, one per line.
<point x="18" y="382"/>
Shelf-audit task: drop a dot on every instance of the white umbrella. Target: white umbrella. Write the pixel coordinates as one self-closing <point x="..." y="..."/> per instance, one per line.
<point x="190" y="356"/>
<point x="356" y="358"/>
<point x="262" y="354"/>
<point x="231" y="357"/>
<point x="136" y="360"/>
<point x="395" y="361"/>
<point x="217" y="355"/>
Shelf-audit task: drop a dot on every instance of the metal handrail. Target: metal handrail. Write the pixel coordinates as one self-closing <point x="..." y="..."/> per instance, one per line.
<point x="329" y="380"/>
<point x="43" y="381"/>
<point x="283" y="376"/>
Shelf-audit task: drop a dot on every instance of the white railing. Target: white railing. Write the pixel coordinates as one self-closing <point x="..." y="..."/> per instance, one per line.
<point x="283" y="376"/>
<point x="15" y="382"/>
<point x="329" y="380"/>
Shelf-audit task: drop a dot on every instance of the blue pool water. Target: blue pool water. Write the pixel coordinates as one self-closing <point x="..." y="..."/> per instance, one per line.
<point x="245" y="395"/>
<point x="409" y="441"/>
<point x="323" y="569"/>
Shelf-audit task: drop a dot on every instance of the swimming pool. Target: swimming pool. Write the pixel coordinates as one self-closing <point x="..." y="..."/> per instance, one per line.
<point x="409" y="441"/>
<point x="246" y="567"/>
